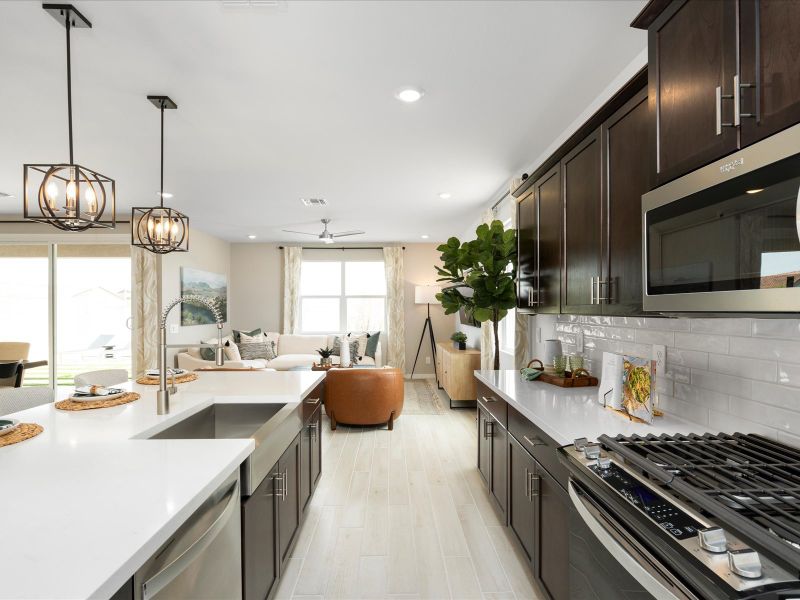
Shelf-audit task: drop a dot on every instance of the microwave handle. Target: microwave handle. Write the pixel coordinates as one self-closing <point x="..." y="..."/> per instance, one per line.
<point x="649" y="579"/>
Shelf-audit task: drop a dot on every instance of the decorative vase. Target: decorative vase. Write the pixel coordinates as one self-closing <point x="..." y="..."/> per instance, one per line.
<point x="460" y="345"/>
<point x="325" y="361"/>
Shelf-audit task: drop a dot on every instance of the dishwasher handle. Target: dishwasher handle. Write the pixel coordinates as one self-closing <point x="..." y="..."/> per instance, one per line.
<point x="165" y="576"/>
<point x="642" y="569"/>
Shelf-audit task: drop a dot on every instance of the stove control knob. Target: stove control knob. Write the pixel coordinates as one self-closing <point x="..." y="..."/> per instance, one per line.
<point x="603" y="462"/>
<point x="580" y="444"/>
<point x="592" y="451"/>
<point x="712" y="539"/>
<point x="745" y="563"/>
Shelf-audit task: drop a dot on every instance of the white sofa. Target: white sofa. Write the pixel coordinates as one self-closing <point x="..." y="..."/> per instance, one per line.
<point x="293" y="351"/>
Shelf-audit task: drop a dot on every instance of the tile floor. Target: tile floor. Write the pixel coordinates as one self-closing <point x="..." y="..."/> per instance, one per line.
<point x="404" y="514"/>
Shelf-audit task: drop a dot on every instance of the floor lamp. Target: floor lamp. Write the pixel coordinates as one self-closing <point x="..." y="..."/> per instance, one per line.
<point x="426" y="294"/>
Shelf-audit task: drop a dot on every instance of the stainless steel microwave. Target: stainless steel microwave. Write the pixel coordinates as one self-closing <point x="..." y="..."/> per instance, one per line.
<point x="726" y="238"/>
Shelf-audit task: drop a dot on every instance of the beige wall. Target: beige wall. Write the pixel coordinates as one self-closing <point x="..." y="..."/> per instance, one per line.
<point x="256" y="292"/>
<point x="208" y="253"/>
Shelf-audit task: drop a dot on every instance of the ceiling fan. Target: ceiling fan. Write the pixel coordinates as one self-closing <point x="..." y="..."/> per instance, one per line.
<point x="326" y="236"/>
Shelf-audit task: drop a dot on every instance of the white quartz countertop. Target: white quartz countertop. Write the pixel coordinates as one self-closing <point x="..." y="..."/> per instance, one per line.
<point x="85" y="503"/>
<point x="566" y="414"/>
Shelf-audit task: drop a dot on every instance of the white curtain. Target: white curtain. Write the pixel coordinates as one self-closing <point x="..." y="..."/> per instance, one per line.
<point x="395" y="303"/>
<point x="487" y="336"/>
<point x="521" y="320"/>
<point x="145" y="272"/>
<point x="292" y="264"/>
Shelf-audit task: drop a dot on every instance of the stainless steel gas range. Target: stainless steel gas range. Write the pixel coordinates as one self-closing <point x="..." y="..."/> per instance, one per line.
<point x="684" y="516"/>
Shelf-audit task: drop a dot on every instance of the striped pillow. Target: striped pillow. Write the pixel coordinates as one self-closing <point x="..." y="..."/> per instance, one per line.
<point x="256" y="350"/>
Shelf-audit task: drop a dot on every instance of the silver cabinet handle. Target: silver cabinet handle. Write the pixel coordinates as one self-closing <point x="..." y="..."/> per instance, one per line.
<point x="489" y="429"/>
<point x="527" y="483"/>
<point x="278" y="478"/>
<point x="719" y="97"/>
<point x="532" y="442"/>
<point x="591" y="290"/>
<point x="737" y="100"/>
<point x="285" y="485"/>
<point x="488" y="399"/>
<point x="313" y="401"/>
<point x="600" y="299"/>
<point x="535" y="480"/>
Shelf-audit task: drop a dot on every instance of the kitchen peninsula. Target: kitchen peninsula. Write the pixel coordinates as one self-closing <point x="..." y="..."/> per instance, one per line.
<point x="89" y="500"/>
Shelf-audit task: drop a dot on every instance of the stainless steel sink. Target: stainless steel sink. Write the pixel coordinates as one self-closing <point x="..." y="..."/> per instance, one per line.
<point x="272" y="426"/>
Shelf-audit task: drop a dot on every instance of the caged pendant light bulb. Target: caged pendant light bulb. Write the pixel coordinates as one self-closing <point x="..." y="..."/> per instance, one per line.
<point x="160" y="229"/>
<point x="67" y="195"/>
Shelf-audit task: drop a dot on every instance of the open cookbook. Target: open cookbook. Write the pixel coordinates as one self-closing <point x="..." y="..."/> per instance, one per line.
<point x="628" y="385"/>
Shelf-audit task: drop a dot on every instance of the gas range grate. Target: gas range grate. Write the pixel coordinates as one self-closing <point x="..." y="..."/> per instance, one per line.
<point x="749" y="482"/>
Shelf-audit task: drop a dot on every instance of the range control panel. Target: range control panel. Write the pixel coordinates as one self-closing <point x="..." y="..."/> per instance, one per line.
<point x="671" y="519"/>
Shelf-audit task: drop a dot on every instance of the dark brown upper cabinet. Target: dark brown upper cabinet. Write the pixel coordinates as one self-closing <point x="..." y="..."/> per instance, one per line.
<point x="582" y="187"/>
<point x="692" y="64"/>
<point x="547" y="191"/>
<point x="527" y="246"/>
<point x="628" y="174"/>
<point x="723" y="74"/>
<point x="769" y="67"/>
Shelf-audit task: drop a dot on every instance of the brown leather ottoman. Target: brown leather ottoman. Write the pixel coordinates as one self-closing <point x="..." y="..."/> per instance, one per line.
<point x="363" y="396"/>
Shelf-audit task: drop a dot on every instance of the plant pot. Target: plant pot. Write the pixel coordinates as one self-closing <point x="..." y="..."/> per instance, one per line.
<point x="326" y="361"/>
<point x="460" y="345"/>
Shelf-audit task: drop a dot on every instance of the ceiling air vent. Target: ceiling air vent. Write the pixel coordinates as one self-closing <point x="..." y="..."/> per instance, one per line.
<point x="314" y="201"/>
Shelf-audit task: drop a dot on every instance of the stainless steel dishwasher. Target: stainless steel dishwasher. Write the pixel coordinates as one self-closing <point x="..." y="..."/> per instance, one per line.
<point x="203" y="559"/>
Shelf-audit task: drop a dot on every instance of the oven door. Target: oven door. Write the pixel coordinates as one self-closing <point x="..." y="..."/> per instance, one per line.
<point x="605" y="561"/>
<point x="725" y="237"/>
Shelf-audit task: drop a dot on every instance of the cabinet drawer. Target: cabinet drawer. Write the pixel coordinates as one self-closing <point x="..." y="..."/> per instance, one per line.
<point x="312" y="402"/>
<point x="538" y="443"/>
<point x="493" y="403"/>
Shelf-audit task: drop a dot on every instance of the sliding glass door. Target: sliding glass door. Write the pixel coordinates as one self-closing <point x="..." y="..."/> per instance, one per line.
<point x="71" y="303"/>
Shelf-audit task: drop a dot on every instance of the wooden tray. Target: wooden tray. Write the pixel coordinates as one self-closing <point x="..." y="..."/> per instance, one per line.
<point x="580" y="378"/>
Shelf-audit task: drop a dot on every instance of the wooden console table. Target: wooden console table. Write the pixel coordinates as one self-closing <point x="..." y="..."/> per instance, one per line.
<point x="455" y="369"/>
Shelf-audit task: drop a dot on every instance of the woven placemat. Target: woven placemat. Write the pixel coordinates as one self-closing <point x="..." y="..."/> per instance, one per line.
<point x="24" y="432"/>
<point x="74" y="405"/>
<point x="185" y="378"/>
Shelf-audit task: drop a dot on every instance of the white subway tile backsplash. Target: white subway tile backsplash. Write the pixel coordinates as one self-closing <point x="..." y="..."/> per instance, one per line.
<point x="783" y="350"/>
<point x="731" y="374"/>
<point x="763" y="370"/>
<point x="703" y="342"/>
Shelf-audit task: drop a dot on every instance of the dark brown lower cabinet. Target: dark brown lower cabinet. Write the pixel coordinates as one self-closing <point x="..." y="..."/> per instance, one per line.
<point x="538" y="510"/>
<point x="310" y="458"/>
<point x="288" y="510"/>
<point x="484" y="444"/>
<point x="259" y="567"/>
<point x="498" y="479"/>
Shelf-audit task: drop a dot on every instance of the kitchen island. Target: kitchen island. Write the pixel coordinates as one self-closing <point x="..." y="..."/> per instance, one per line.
<point x="87" y="502"/>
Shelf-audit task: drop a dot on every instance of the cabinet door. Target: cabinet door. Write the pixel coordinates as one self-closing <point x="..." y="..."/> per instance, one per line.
<point x="304" y="465"/>
<point x="692" y="51"/>
<point x="289" y="502"/>
<point x="769" y="57"/>
<point x="316" y="448"/>
<point x="483" y="444"/>
<point x="583" y="190"/>
<point x="527" y="266"/>
<point x="548" y="202"/>
<point x="521" y="469"/>
<point x="552" y="530"/>
<point x="259" y="567"/>
<point x="498" y="438"/>
<point x="629" y="174"/>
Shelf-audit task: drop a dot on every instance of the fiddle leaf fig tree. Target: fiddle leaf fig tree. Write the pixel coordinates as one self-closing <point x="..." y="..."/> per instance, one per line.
<point x="481" y="275"/>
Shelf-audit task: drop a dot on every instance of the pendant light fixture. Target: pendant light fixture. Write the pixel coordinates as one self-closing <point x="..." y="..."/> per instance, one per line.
<point x="67" y="195"/>
<point x="160" y="229"/>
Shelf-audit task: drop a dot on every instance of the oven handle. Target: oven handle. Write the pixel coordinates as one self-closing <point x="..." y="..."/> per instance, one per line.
<point x="610" y="539"/>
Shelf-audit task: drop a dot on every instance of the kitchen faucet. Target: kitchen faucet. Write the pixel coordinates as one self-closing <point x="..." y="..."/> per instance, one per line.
<point x="162" y="406"/>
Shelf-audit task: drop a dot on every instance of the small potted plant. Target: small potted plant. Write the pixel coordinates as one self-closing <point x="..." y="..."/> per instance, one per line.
<point x="325" y="356"/>
<point x="459" y="340"/>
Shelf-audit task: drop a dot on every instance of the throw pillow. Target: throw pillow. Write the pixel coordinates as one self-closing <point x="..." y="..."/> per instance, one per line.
<point x="361" y="338"/>
<point x="256" y="350"/>
<point x="237" y="334"/>
<point x="337" y="349"/>
<point x="372" y="344"/>
<point x="232" y="352"/>
<point x="246" y="338"/>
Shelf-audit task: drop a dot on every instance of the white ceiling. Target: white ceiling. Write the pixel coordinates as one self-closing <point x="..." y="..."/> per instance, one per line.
<point x="277" y="105"/>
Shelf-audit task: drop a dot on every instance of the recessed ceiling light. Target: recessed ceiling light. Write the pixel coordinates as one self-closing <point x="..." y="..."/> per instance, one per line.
<point x="755" y="191"/>
<point x="445" y="195"/>
<point x="164" y="194"/>
<point x="409" y="94"/>
<point x="424" y="236"/>
<point x="251" y="237"/>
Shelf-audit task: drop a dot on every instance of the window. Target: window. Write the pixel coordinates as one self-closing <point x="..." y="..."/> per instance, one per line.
<point x="342" y="295"/>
